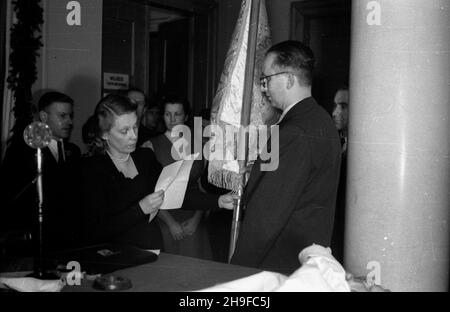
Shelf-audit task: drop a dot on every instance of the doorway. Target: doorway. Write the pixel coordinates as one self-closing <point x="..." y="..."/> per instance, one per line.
<point x="325" y="27"/>
<point x="169" y="53"/>
<point x="182" y="50"/>
<point x="158" y="47"/>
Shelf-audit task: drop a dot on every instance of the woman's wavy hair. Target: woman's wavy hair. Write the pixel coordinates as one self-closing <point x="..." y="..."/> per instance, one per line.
<point x="106" y="111"/>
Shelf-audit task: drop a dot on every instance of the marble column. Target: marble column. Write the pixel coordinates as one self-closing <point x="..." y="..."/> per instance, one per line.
<point x="398" y="187"/>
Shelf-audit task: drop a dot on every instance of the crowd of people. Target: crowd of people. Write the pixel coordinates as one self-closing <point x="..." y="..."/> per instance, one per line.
<point x="107" y="195"/>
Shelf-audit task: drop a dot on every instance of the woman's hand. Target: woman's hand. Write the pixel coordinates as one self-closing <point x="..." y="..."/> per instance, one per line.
<point x="152" y="202"/>
<point x="176" y="230"/>
<point x="190" y="225"/>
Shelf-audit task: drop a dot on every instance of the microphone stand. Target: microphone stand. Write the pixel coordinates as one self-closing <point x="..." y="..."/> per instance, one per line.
<point x="39" y="266"/>
<point x="39" y="270"/>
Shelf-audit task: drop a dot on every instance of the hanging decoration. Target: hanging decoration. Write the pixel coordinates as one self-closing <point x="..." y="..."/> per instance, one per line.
<point x="25" y="42"/>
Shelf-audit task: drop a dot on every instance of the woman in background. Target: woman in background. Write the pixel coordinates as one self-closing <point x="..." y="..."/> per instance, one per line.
<point x="184" y="230"/>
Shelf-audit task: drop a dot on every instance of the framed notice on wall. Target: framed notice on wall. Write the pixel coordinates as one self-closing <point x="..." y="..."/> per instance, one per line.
<point x="114" y="81"/>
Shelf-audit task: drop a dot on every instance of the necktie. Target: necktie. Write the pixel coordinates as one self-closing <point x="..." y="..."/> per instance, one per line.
<point x="60" y="152"/>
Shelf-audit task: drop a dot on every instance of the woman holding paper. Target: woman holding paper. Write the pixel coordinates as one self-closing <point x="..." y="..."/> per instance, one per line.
<point x="119" y="202"/>
<point x="184" y="230"/>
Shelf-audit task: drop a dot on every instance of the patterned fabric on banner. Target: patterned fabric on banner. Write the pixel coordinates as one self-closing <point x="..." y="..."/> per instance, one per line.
<point x="224" y="162"/>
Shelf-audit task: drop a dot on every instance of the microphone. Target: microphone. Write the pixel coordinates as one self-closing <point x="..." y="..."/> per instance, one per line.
<point x="37" y="135"/>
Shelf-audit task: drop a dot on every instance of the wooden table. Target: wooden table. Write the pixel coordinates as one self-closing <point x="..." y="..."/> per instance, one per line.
<point x="174" y="273"/>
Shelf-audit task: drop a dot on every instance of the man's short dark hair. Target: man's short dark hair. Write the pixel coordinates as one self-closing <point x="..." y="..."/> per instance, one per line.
<point x="134" y="89"/>
<point x="343" y="87"/>
<point x="294" y="55"/>
<point x="52" y="97"/>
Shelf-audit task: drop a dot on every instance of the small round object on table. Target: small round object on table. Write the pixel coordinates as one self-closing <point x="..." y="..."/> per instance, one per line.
<point x="112" y="283"/>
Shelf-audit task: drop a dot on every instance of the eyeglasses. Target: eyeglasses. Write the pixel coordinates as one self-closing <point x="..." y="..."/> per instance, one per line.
<point x="264" y="80"/>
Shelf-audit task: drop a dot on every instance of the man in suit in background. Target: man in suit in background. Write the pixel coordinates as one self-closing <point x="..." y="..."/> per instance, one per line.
<point x="60" y="161"/>
<point x="340" y="117"/>
<point x="138" y="96"/>
<point x="292" y="207"/>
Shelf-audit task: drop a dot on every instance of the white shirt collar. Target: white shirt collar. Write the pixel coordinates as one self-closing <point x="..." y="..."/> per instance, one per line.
<point x="53" y="146"/>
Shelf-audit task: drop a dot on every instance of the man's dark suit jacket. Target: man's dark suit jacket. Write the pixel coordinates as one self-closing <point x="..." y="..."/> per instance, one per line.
<point x="19" y="195"/>
<point x="292" y="207"/>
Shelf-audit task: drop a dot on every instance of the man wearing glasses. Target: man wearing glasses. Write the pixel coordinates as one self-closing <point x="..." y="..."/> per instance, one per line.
<point x="293" y="206"/>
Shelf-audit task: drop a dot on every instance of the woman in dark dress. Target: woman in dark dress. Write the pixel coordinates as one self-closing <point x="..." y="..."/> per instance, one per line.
<point x="119" y="202"/>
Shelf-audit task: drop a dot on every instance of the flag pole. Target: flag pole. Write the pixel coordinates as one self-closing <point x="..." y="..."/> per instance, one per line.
<point x="245" y="117"/>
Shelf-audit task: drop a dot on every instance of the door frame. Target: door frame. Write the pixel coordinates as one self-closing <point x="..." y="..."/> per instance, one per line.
<point x="303" y="15"/>
<point x="193" y="9"/>
<point x="302" y="12"/>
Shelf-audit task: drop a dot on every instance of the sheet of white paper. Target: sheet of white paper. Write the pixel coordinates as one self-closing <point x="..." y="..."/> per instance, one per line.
<point x="168" y="175"/>
<point x="173" y="180"/>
